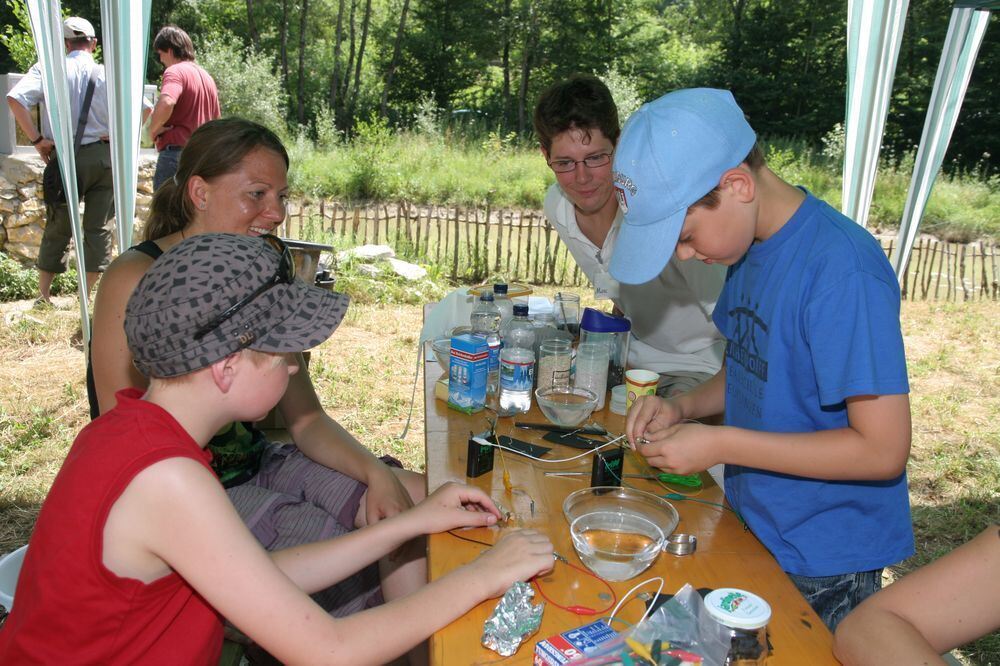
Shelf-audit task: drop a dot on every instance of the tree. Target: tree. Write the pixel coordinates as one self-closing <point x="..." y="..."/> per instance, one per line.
<point x="394" y="62"/>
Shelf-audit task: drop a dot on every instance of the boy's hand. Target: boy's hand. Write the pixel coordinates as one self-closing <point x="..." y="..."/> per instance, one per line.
<point x="684" y="448"/>
<point x="649" y="416"/>
<point x="455" y="505"/>
<point x="519" y="556"/>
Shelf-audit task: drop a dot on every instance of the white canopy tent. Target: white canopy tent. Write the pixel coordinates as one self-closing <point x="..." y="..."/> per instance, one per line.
<point x="874" y="32"/>
<point x="125" y="33"/>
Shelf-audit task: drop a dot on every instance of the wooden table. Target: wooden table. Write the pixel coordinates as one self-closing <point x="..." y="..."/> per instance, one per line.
<point x="727" y="555"/>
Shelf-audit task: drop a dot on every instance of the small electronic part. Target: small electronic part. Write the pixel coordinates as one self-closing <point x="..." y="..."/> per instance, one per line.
<point x="608" y="467"/>
<point x="480" y="456"/>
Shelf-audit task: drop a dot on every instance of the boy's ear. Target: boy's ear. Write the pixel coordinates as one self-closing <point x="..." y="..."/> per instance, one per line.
<point x="224" y="371"/>
<point x="740" y="183"/>
<point x="545" y="153"/>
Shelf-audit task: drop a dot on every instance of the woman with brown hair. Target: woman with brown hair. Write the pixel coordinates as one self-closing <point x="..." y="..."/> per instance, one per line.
<point x="232" y="178"/>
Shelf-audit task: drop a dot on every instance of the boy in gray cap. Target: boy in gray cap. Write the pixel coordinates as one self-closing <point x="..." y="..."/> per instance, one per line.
<point x="814" y="385"/>
<point x="138" y="551"/>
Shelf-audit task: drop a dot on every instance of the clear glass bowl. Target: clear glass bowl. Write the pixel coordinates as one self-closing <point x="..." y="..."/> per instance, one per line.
<point x="565" y="405"/>
<point x="616" y="545"/>
<point x="629" y="527"/>
<point x="442" y="352"/>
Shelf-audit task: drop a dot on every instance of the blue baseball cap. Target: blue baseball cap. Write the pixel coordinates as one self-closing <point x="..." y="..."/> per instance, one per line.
<point x="672" y="152"/>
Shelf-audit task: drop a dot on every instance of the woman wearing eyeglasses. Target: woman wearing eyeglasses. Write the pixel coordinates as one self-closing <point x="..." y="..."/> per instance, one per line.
<point x="232" y="177"/>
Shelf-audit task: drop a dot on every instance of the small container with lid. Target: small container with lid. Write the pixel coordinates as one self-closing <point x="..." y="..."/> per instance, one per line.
<point x="745" y="615"/>
<point x="555" y="357"/>
<point x="613" y="331"/>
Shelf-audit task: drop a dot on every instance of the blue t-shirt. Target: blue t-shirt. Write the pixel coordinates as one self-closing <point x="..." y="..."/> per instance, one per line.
<point x="811" y="318"/>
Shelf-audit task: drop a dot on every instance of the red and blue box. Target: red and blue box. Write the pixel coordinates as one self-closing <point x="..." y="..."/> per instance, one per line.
<point x="573" y="645"/>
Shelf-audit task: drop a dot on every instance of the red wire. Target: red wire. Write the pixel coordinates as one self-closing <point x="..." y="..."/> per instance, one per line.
<point x="579" y="610"/>
<point x="576" y="610"/>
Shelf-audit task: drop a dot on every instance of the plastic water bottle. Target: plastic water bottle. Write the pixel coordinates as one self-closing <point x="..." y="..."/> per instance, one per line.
<point x="503" y="302"/>
<point x="485" y="321"/>
<point x="517" y="363"/>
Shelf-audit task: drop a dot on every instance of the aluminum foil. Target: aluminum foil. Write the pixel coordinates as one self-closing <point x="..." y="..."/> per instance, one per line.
<point x="514" y="619"/>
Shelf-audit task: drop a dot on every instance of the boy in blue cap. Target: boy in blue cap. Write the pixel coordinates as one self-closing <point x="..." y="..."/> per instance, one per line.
<point x="813" y="386"/>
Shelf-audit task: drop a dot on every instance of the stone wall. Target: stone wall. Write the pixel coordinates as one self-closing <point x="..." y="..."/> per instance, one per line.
<point x="22" y="211"/>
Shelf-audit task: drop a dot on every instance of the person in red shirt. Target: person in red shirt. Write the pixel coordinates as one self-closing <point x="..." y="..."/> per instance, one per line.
<point x="137" y="549"/>
<point x="188" y="99"/>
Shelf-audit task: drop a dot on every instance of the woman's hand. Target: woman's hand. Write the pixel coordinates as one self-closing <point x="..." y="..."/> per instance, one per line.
<point x="386" y="495"/>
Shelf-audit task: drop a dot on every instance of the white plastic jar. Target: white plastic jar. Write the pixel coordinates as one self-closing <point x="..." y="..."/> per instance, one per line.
<point x="745" y="615"/>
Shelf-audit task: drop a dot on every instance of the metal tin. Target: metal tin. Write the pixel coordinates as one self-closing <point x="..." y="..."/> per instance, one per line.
<point x="681" y="544"/>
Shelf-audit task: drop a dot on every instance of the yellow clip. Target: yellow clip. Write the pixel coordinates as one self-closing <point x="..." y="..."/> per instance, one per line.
<point x="640" y="649"/>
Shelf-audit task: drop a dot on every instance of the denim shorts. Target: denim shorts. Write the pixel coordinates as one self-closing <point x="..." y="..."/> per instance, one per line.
<point x="833" y="597"/>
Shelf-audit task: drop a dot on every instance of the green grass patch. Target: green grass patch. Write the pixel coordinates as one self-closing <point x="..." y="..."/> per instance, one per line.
<point x="19" y="283"/>
<point x="446" y="168"/>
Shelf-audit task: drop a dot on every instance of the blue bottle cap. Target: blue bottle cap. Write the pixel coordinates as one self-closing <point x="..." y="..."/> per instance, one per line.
<point x="596" y="321"/>
<point x="486" y="296"/>
<point x="500" y="288"/>
<point x="520" y="310"/>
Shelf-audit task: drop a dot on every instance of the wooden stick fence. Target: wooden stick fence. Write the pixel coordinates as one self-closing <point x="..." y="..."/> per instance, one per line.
<point x="475" y="244"/>
<point x="941" y="271"/>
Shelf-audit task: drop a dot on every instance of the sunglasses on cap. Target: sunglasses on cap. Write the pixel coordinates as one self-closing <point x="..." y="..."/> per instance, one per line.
<point x="284" y="275"/>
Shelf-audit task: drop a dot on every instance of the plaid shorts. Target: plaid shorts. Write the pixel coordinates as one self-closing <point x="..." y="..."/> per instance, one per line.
<point x="293" y="500"/>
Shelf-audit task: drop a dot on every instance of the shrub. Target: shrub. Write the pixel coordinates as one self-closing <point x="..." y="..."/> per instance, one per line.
<point x="18" y="283"/>
<point x="249" y="87"/>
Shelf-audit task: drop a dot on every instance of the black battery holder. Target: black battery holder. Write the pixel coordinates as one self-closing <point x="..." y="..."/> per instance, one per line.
<point x="480" y="456"/>
<point x="608" y="467"/>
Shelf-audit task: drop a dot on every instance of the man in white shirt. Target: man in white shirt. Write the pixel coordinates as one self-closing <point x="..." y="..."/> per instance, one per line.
<point x="672" y="330"/>
<point x="93" y="160"/>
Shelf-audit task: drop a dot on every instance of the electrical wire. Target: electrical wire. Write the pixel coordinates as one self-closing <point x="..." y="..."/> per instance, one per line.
<point x="483" y="442"/>
<point x="575" y="609"/>
<point x="625" y="598"/>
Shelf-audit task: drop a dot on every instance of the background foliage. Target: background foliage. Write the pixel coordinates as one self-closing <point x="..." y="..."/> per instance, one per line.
<point x="320" y="66"/>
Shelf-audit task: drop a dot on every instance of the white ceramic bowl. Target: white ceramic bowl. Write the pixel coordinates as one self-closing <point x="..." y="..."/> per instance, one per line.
<point x="565" y="405"/>
<point x="10" y="568"/>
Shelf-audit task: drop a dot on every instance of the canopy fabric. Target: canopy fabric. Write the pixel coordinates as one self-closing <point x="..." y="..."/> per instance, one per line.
<point x="961" y="45"/>
<point x="125" y="28"/>
<point x="874" y="33"/>
<point x="47" y="31"/>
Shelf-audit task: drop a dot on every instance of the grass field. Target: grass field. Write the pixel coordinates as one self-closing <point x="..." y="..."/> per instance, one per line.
<point x="365" y="373"/>
<point x="452" y="169"/>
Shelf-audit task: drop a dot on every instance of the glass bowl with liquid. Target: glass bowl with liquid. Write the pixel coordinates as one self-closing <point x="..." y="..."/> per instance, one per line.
<point x="564" y="405"/>
<point x="618" y="532"/>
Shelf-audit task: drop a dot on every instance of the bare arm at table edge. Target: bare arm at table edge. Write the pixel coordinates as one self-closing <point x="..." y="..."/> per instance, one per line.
<point x="934" y="609"/>
<point x="874" y="446"/>
<point x="190" y="526"/>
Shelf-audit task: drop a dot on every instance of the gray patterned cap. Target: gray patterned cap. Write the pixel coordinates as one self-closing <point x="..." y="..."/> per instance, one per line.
<point x="198" y="279"/>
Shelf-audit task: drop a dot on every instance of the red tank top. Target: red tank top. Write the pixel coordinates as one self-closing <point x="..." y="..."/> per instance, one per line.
<point x="69" y="608"/>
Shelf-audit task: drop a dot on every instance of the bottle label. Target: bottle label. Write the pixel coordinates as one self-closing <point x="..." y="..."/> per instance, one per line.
<point x="517" y="376"/>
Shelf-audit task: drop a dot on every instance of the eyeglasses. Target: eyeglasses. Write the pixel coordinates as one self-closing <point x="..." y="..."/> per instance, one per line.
<point x="591" y="162"/>
<point x="284" y="275"/>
